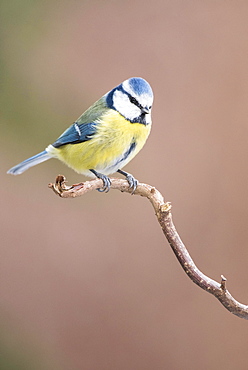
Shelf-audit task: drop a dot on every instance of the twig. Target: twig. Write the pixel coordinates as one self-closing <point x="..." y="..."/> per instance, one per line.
<point x="163" y="213"/>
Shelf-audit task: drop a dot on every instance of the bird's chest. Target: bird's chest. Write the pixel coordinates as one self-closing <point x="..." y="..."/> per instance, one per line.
<point x="118" y="133"/>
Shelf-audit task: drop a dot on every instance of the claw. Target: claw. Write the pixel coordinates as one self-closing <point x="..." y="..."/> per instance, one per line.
<point x="106" y="181"/>
<point x="106" y="184"/>
<point x="133" y="183"/>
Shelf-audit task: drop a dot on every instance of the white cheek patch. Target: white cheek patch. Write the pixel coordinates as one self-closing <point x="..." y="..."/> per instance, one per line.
<point x="123" y="105"/>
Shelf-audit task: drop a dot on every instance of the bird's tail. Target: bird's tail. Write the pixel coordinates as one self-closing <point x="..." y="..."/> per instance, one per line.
<point x="30" y="162"/>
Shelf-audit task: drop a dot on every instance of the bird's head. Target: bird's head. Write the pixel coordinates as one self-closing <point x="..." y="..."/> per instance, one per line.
<point x="133" y="99"/>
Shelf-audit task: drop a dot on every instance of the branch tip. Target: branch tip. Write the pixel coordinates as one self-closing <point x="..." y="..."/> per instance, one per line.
<point x="59" y="186"/>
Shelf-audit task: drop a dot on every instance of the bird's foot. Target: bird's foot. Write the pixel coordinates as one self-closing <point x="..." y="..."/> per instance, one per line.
<point x="133" y="183"/>
<point x="105" y="179"/>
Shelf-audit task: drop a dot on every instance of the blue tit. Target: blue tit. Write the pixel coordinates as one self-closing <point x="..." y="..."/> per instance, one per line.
<point x="106" y="136"/>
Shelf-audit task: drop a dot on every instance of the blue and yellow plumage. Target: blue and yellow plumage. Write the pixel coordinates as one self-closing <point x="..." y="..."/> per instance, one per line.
<point x="106" y="136"/>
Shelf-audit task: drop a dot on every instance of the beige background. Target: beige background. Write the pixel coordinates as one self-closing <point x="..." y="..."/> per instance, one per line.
<point x="91" y="283"/>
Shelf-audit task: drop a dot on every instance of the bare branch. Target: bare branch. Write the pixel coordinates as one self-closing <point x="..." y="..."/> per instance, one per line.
<point x="163" y="213"/>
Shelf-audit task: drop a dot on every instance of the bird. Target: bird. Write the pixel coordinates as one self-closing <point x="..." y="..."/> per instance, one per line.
<point x="106" y="136"/>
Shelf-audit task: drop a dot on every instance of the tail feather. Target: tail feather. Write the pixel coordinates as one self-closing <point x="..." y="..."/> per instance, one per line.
<point x="30" y="162"/>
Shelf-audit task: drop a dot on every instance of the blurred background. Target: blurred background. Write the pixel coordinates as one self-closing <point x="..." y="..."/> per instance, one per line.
<point x="91" y="283"/>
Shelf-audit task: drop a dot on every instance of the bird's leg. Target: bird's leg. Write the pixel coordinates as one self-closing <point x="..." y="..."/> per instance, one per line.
<point x="105" y="179"/>
<point x="133" y="183"/>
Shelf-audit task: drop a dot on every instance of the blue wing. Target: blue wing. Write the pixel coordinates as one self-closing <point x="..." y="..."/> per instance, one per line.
<point x="76" y="133"/>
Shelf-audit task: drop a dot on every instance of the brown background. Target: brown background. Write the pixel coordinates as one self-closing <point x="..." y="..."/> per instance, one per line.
<point x="91" y="283"/>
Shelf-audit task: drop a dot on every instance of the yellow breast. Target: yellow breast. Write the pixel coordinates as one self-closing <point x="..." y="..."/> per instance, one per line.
<point x="113" y="138"/>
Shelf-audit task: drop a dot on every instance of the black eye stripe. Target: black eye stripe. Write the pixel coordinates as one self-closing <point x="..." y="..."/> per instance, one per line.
<point x="134" y="101"/>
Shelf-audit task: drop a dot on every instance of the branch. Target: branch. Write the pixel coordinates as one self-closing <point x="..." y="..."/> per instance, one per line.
<point x="163" y="213"/>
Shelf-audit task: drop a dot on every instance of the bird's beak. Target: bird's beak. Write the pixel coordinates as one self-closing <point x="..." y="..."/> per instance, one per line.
<point x="145" y="110"/>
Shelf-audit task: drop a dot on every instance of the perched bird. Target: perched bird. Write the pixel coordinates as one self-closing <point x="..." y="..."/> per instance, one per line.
<point x="106" y="136"/>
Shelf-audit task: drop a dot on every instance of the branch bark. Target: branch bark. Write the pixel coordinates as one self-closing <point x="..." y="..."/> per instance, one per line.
<point x="164" y="216"/>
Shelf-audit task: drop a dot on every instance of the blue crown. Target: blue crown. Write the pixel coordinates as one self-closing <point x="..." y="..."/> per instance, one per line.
<point x="140" y="86"/>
